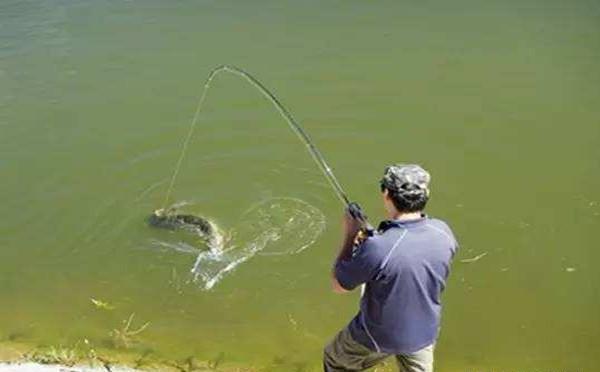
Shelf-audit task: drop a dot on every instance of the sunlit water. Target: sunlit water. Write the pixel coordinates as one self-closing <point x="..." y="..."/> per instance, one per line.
<point x="499" y="100"/>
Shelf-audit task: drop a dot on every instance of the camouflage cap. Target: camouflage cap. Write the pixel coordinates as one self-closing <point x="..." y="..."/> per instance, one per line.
<point x="408" y="180"/>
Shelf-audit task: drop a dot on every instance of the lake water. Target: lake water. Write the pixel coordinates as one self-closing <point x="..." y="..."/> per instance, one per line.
<point x="498" y="99"/>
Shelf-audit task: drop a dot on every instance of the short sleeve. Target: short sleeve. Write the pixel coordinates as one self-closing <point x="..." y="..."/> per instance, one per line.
<point x="361" y="267"/>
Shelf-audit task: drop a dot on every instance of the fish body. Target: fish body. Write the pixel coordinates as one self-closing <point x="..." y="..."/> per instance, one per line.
<point x="203" y="227"/>
<point x="181" y="221"/>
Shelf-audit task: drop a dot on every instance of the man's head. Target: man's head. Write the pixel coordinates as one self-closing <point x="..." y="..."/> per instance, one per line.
<point x="405" y="187"/>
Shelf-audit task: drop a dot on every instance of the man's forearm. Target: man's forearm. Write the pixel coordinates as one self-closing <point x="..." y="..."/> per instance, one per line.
<point x="344" y="252"/>
<point x="345" y="249"/>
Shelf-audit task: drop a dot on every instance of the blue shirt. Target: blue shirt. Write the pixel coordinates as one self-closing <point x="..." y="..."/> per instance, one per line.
<point x="405" y="267"/>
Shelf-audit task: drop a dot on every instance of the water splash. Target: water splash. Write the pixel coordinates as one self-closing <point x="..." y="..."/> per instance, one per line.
<point x="276" y="226"/>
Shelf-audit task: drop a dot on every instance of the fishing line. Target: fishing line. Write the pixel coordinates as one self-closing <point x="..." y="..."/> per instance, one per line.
<point x="294" y="125"/>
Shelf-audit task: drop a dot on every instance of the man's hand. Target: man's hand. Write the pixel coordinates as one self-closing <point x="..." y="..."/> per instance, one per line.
<point x="351" y="226"/>
<point x="336" y="286"/>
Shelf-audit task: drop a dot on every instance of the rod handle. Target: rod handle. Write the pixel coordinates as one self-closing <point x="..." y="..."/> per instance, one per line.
<point x="356" y="212"/>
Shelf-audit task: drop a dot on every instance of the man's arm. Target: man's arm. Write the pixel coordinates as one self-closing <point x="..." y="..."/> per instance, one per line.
<point x="351" y="227"/>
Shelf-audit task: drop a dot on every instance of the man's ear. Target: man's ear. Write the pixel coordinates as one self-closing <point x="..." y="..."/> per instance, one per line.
<point x="386" y="194"/>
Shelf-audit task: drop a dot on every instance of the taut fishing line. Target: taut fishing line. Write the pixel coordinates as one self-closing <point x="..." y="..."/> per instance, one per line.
<point x="294" y="125"/>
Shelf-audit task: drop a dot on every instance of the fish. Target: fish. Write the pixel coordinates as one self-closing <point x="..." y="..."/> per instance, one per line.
<point x="202" y="227"/>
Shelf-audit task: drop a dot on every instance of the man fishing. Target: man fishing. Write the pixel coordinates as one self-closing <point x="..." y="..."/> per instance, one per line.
<point x="403" y="267"/>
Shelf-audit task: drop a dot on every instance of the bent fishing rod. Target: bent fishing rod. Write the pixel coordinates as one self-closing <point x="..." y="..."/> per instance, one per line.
<point x="353" y="208"/>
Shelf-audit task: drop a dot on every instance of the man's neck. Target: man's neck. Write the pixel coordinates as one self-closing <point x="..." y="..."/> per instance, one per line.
<point x="399" y="216"/>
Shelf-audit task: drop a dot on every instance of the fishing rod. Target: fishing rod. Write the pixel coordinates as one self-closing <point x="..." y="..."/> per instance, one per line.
<point x="353" y="208"/>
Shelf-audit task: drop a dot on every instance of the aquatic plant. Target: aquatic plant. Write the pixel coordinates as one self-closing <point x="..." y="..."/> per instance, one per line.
<point x="124" y="337"/>
<point x="55" y="355"/>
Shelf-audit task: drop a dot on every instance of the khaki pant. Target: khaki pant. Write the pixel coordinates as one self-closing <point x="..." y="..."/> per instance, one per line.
<point x="344" y="354"/>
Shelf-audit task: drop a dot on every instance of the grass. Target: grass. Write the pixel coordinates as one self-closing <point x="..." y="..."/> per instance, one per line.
<point x="55" y="355"/>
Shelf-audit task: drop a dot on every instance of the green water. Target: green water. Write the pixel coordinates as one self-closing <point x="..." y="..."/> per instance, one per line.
<point x="498" y="99"/>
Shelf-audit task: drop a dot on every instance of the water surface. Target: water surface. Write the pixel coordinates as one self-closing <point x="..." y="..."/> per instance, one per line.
<point x="498" y="100"/>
